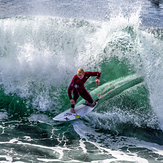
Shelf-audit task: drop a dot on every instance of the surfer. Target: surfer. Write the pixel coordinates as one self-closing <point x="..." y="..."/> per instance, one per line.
<point x="77" y="87"/>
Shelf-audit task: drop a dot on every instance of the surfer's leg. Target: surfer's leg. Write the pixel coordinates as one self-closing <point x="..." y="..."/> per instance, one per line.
<point x="75" y="97"/>
<point x="85" y="94"/>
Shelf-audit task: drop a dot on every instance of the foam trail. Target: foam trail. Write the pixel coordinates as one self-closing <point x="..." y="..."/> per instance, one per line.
<point x="85" y="131"/>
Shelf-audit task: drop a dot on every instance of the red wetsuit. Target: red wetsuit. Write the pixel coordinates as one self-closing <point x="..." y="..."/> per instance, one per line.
<point x="77" y="87"/>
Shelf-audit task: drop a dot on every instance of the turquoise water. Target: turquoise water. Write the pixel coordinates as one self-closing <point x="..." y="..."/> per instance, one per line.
<point x="42" y="45"/>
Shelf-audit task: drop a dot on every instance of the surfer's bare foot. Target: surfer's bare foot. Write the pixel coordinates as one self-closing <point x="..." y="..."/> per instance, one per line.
<point x="93" y="104"/>
<point x="72" y="110"/>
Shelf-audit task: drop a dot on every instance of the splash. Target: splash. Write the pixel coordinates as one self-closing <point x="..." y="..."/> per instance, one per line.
<point x="38" y="60"/>
<point x="152" y="61"/>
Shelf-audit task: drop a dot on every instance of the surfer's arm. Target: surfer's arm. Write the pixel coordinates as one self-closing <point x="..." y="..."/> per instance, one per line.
<point x="70" y="88"/>
<point x="97" y="74"/>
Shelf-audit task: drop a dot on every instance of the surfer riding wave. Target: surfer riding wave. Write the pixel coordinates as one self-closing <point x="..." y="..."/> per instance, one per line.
<point x="77" y="87"/>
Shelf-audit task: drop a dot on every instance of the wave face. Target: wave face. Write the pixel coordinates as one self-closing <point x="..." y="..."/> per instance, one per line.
<point x="39" y="55"/>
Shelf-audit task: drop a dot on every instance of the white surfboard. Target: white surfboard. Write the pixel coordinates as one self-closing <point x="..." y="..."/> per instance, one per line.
<point x="80" y="110"/>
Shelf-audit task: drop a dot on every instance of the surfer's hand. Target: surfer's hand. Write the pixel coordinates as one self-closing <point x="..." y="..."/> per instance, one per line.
<point x="72" y="101"/>
<point x="97" y="81"/>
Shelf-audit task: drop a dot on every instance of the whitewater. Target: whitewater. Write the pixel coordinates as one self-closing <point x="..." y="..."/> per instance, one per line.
<point x="42" y="45"/>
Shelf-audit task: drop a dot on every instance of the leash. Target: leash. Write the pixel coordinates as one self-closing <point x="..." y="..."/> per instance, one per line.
<point x="105" y="93"/>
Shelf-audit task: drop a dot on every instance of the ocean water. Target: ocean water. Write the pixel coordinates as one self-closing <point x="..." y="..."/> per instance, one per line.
<point x="42" y="45"/>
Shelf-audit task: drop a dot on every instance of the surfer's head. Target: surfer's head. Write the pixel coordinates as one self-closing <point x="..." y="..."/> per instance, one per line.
<point x="80" y="73"/>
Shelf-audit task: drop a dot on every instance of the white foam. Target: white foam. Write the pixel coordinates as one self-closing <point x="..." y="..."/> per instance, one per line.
<point x="152" y="65"/>
<point x="8" y="158"/>
<point x="3" y="115"/>
<point x="40" y="117"/>
<point x="88" y="135"/>
<point x="40" y="57"/>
